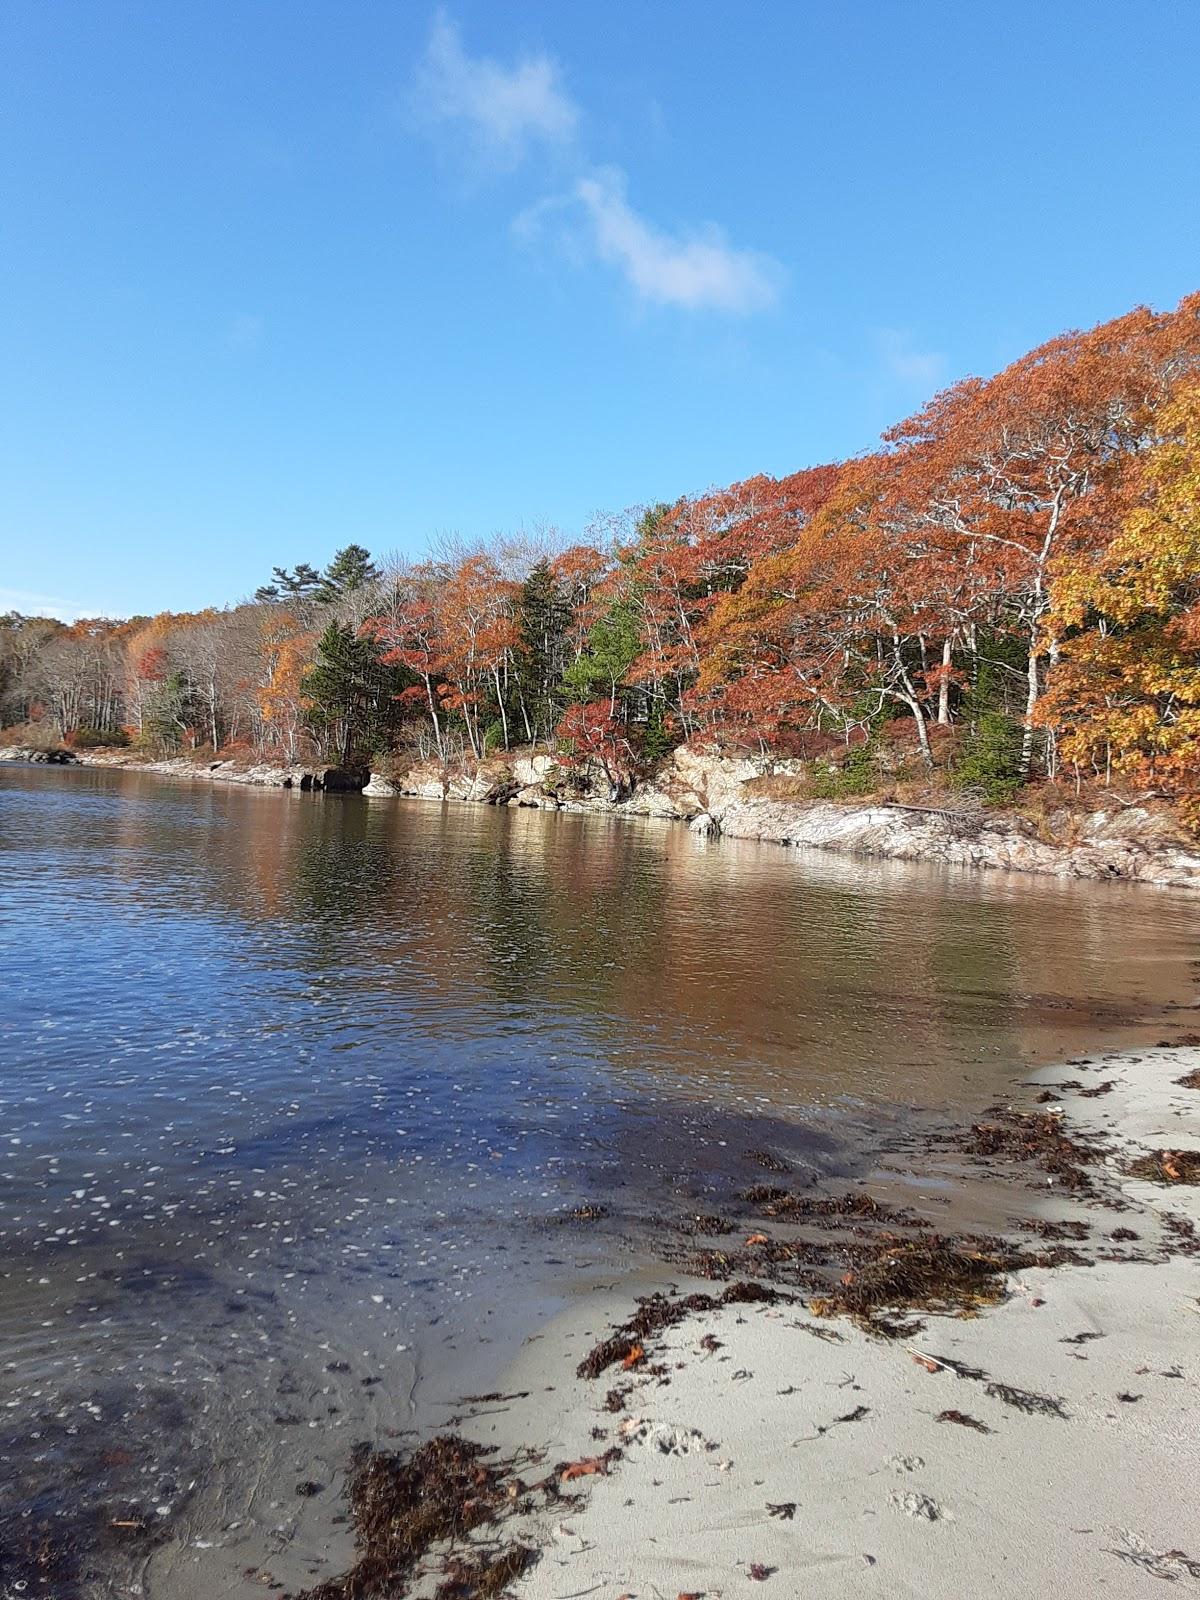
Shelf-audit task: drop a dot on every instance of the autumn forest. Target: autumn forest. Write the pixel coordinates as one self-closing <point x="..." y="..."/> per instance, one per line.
<point x="1007" y="589"/>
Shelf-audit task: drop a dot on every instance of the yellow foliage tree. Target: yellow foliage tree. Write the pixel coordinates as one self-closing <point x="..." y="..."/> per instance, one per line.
<point x="1125" y="691"/>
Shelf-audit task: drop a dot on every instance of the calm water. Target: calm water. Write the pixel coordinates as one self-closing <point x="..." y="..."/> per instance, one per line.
<point x="290" y="1084"/>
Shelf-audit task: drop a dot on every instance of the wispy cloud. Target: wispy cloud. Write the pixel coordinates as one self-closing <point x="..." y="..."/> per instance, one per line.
<point x="904" y="361"/>
<point x="41" y="605"/>
<point x="504" y="111"/>
<point x="699" y="270"/>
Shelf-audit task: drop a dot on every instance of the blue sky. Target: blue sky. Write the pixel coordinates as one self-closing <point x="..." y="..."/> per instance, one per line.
<point x="276" y="275"/>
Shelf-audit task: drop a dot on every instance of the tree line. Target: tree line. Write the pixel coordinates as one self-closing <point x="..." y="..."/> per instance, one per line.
<point x="1009" y="584"/>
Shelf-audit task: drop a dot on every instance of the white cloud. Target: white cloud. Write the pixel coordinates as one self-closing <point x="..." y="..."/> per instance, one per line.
<point x="42" y="605"/>
<point x="504" y="110"/>
<point x="904" y="362"/>
<point x="697" y="271"/>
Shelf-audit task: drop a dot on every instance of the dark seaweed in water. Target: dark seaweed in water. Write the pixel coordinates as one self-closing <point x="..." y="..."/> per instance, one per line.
<point x="406" y="1508"/>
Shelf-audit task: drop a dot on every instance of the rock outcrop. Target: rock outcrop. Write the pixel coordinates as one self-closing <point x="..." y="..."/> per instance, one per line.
<point x="716" y="794"/>
<point x="54" y="758"/>
<point x="732" y="795"/>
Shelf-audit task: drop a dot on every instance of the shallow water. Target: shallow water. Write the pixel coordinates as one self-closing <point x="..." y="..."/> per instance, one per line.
<point x="289" y="1085"/>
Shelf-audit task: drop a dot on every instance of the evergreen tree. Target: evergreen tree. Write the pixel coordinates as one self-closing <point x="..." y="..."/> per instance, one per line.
<point x="301" y="583"/>
<point x="544" y="616"/>
<point x="614" y="643"/>
<point x="350" y="694"/>
<point x="350" y="569"/>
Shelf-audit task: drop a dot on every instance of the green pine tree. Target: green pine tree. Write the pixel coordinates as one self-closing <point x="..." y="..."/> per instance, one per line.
<point x="350" y="569"/>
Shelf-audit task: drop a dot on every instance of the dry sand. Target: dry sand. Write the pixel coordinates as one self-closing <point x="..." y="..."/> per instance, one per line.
<point x="1095" y="1496"/>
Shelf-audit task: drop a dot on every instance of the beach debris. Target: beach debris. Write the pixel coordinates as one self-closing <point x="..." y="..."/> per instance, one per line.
<point x="1036" y="1136"/>
<point x="1167" y="1166"/>
<point x="963" y="1420"/>
<point x="586" y="1467"/>
<point x="823" y="1428"/>
<point x="856" y="1415"/>
<point x="929" y="1273"/>
<point x="664" y="1437"/>
<point x="486" y="1577"/>
<point x="1169" y="1564"/>
<point x="787" y="1207"/>
<point x="915" y="1504"/>
<point x="1027" y="1400"/>
<point x="762" y="1194"/>
<point x="759" y="1572"/>
<point x="757" y="1238"/>
<point x="1190" y="1080"/>
<point x="767" y="1159"/>
<point x="960" y="1369"/>
<point x="1098" y="1089"/>
<point x="1050" y="1228"/>
<point x="1130" y="1399"/>
<point x="658" y="1311"/>
<point x="785" y="1510"/>
<point x="828" y="1335"/>
<point x="706" y="1222"/>
<point x="634" y="1357"/>
<point x="406" y="1507"/>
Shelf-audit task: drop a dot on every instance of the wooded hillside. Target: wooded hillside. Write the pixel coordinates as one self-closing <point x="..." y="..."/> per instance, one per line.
<point x="1010" y="583"/>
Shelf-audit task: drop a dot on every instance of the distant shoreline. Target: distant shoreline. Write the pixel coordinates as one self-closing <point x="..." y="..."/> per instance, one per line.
<point x="1129" y="843"/>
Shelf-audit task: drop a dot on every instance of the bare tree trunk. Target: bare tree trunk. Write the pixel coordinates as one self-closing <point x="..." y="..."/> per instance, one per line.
<point x="943" y="713"/>
<point x="1031" y="700"/>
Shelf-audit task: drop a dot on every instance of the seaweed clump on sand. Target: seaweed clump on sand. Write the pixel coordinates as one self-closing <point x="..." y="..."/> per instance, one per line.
<point x="855" y="1205"/>
<point x="1190" y="1080"/>
<point x="658" y="1311"/>
<point x="1167" y="1166"/>
<point x="406" y="1508"/>
<point x="930" y="1274"/>
<point x="1036" y="1136"/>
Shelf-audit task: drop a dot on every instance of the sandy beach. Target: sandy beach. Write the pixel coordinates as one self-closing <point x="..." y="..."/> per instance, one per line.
<point x="1050" y="1442"/>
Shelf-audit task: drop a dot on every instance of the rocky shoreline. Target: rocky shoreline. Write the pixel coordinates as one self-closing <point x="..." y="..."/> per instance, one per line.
<point x="732" y="796"/>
